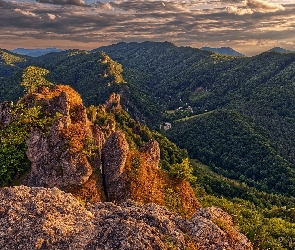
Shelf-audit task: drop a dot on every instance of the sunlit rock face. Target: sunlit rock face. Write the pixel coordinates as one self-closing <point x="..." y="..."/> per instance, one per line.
<point x="95" y="163"/>
<point x="57" y="156"/>
<point x="86" y="183"/>
<point x="115" y="152"/>
<point x="45" y="218"/>
<point x="56" y="162"/>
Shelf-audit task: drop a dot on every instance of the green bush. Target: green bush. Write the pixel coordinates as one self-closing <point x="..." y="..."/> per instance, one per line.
<point x="183" y="170"/>
<point x="13" y="159"/>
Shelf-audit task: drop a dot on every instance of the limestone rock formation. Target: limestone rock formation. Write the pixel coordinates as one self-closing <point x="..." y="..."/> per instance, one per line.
<point x="130" y="174"/>
<point x="59" y="156"/>
<point x="115" y="152"/>
<point x="214" y="229"/>
<point x="41" y="218"/>
<point x="152" y="148"/>
<point x="5" y="117"/>
<point x="55" y="163"/>
<point x="113" y="102"/>
<point x="95" y="162"/>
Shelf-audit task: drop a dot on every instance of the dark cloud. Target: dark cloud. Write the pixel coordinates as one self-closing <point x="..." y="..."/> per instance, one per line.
<point x="138" y="6"/>
<point x="3" y="4"/>
<point x="63" y="2"/>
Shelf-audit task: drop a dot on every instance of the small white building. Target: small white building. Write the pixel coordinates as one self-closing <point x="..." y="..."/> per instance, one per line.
<point x="167" y="126"/>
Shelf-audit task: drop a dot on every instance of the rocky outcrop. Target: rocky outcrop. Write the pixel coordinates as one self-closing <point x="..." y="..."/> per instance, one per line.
<point x="113" y="102"/>
<point x="5" y="117"/>
<point x="59" y="156"/>
<point x="40" y="218"/>
<point x="114" y="155"/>
<point x="55" y="163"/>
<point x="149" y="183"/>
<point x="136" y="175"/>
<point x="152" y="149"/>
<point x="95" y="163"/>
<point x="214" y="229"/>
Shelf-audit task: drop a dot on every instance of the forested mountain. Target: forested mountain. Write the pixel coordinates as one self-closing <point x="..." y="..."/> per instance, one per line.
<point x="281" y="50"/>
<point x="166" y="83"/>
<point x="86" y="72"/>
<point x="10" y="63"/>
<point x="235" y="114"/>
<point x="224" y="50"/>
<point x="259" y="90"/>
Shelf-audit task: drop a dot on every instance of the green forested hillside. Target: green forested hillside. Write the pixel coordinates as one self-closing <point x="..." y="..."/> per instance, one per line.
<point x="85" y="72"/>
<point x="236" y="116"/>
<point x="259" y="90"/>
<point x="267" y="219"/>
<point x="166" y="83"/>
<point x="229" y="144"/>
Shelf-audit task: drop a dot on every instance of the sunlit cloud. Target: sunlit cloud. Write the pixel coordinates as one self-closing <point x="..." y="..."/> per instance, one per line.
<point x="252" y="6"/>
<point x="103" y="6"/>
<point x="51" y="16"/>
<point x="26" y="13"/>
<point x="138" y="6"/>
<point x="239" y="11"/>
<point x="263" y="6"/>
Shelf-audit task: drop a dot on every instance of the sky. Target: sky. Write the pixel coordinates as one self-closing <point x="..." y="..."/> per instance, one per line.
<point x="248" y="26"/>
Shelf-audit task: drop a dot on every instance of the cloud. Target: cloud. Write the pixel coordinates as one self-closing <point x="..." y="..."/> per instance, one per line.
<point x="51" y="16"/>
<point x="138" y="6"/>
<point x="103" y="6"/>
<point x="3" y="4"/>
<point x="64" y="2"/>
<point x="263" y="6"/>
<point x="251" y="6"/>
<point x="239" y="11"/>
<point x="26" y="13"/>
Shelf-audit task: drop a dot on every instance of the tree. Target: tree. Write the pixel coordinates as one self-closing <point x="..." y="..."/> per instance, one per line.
<point x="183" y="170"/>
<point x="33" y="77"/>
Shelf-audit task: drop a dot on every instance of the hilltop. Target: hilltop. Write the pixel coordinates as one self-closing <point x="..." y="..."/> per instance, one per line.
<point x="281" y="50"/>
<point x="224" y="50"/>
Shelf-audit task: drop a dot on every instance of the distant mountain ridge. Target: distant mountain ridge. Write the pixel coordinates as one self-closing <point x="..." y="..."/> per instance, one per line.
<point x="224" y="51"/>
<point x="281" y="50"/>
<point x="35" y="52"/>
